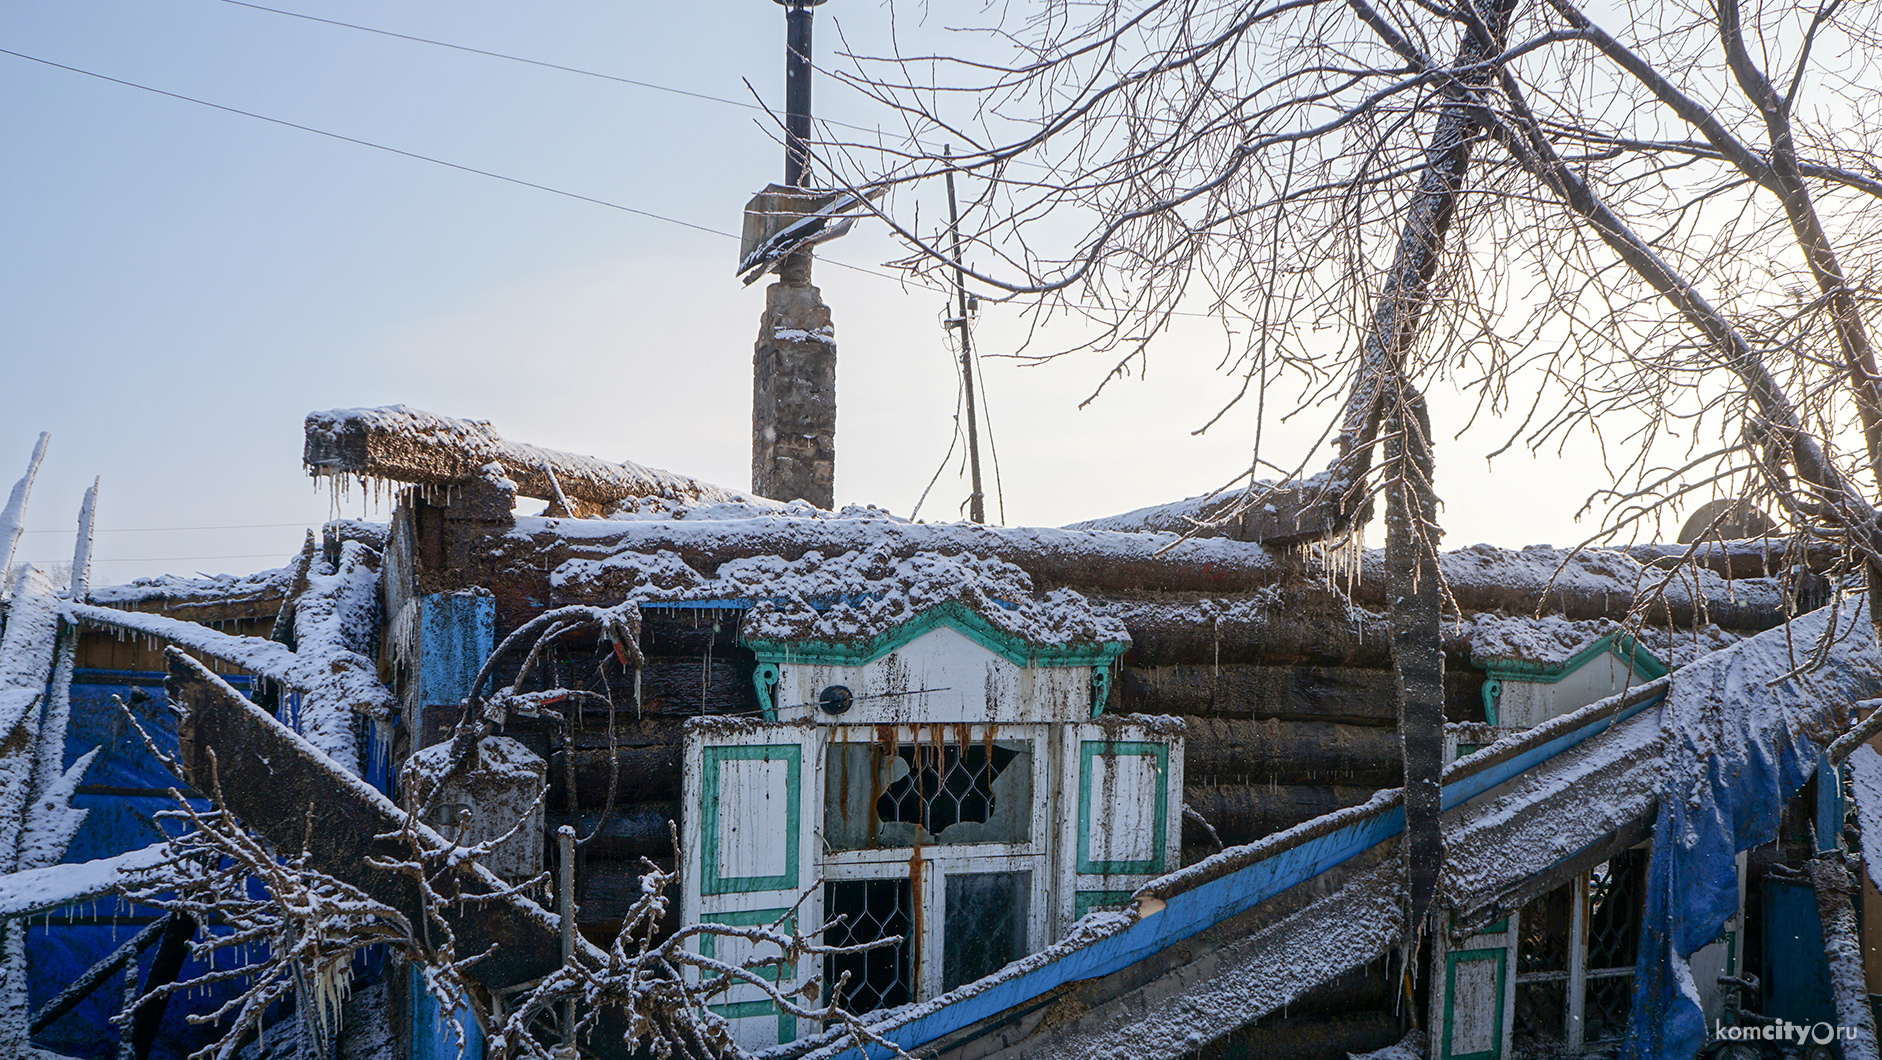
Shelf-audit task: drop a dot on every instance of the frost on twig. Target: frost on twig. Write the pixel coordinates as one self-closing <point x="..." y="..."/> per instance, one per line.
<point x="293" y="931"/>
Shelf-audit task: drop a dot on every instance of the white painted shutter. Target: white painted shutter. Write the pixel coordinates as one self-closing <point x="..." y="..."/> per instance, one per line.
<point x="1473" y="997"/>
<point x="748" y="855"/>
<point x="1123" y="809"/>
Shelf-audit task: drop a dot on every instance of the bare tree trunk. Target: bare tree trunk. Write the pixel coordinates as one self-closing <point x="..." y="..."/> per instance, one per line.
<point x="1411" y="534"/>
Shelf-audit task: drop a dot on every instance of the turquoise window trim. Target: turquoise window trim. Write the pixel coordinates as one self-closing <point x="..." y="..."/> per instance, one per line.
<point x="738" y="1010"/>
<point x="1644" y="663"/>
<point x="1622" y="646"/>
<point x="1090" y="749"/>
<point x="710" y="759"/>
<point x="1494" y="927"/>
<point x="709" y="944"/>
<point x="1456" y="957"/>
<point x="1085" y="901"/>
<point x="952" y="614"/>
<point x="764" y="681"/>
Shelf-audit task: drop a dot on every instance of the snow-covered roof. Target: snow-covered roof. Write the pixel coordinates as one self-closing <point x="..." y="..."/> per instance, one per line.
<point x="273" y="583"/>
<point x="854" y="596"/>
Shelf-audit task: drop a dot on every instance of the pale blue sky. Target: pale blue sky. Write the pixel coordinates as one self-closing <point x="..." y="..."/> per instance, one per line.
<point x="180" y="285"/>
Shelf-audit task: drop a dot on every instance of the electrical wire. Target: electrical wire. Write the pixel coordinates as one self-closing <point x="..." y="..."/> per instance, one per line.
<point x="655" y="86"/>
<point x="422" y="158"/>
<point x="172" y="529"/>
<point x="743" y="104"/>
<point x="168" y="559"/>
<point x="368" y="143"/>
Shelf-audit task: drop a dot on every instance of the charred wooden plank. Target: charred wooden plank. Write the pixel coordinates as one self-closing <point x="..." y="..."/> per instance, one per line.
<point x="277" y="784"/>
<point x="641" y="773"/>
<point x="632" y="831"/>
<point x="1243" y="813"/>
<point x="407" y="445"/>
<point x="1242" y="691"/>
<point x="1306" y="625"/>
<point x="1236" y="751"/>
<point x="165" y="965"/>
<point x="1585" y="584"/>
<point x="691" y="686"/>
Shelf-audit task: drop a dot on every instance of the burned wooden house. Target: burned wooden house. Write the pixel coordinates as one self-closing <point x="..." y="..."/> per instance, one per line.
<point x="1097" y="791"/>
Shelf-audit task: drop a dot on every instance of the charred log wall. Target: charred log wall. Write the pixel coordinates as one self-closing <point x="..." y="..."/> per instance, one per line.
<point x="1285" y="683"/>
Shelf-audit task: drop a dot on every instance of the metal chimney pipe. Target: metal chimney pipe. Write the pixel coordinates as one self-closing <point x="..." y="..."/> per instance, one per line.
<point x="797" y="90"/>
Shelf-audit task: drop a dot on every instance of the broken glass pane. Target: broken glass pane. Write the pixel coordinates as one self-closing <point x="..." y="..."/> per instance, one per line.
<point x="985" y="929"/>
<point x="1616" y="893"/>
<point x="877" y="795"/>
<point x="870" y="910"/>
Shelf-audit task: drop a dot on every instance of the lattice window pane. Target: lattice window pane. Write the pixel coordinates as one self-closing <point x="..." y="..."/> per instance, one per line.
<point x="1604" y="1013"/>
<point x="1541" y="1014"/>
<point x="871" y="910"/>
<point x="985" y="925"/>
<point x="1545" y="926"/>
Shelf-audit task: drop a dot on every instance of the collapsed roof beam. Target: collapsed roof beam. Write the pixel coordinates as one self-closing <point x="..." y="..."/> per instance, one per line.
<point x="402" y="444"/>
<point x="279" y="786"/>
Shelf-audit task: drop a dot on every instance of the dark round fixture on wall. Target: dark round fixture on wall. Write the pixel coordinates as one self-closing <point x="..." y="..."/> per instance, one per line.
<point x="835" y="700"/>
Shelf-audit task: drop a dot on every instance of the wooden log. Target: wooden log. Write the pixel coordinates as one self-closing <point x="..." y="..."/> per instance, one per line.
<point x="609" y="888"/>
<point x="645" y="773"/>
<point x="1589" y="584"/>
<point x="634" y="830"/>
<point x="1243" y="691"/>
<point x="690" y="687"/>
<point x="1243" y="813"/>
<point x="1277" y="513"/>
<point x="1220" y="751"/>
<point x="1306" y="624"/>
<point x="275" y="782"/>
<point x="403" y="444"/>
<point x="1054" y="558"/>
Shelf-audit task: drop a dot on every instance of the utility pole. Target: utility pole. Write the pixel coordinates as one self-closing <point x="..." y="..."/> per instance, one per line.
<point x="976" y="501"/>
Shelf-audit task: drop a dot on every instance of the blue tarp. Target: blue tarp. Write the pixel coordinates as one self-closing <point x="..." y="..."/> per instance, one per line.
<point x="123" y="791"/>
<point x="1745" y="738"/>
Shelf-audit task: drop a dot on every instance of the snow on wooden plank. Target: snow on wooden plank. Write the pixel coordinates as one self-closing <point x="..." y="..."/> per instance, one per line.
<point x="51" y="886"/>
<point x="404" y="444"/>
<point x="332" y="677"/>
<point x="1865" y="775"/>
<point x="13" y="515"/>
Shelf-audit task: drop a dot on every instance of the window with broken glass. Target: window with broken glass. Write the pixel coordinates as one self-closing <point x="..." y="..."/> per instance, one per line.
<point x="934" y="834"/>
<point x="1575" y="958"/>
<point x="893" y="794"/>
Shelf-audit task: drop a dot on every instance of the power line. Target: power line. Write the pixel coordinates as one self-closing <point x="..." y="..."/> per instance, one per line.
<point x="743" y="104"/>
<point x="172" y="529"/>
<point x="511" y="58"/>
<point x="371" y="144"/>
<point x="422" y="158"/>
<point x="166" y="559"/>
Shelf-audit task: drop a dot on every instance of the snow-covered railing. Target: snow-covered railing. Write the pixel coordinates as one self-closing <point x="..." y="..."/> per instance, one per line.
<point x="1183" y="904"/>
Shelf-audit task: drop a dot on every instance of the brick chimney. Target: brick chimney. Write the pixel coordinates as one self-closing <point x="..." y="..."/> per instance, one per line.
<point x="793" y="453"/>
